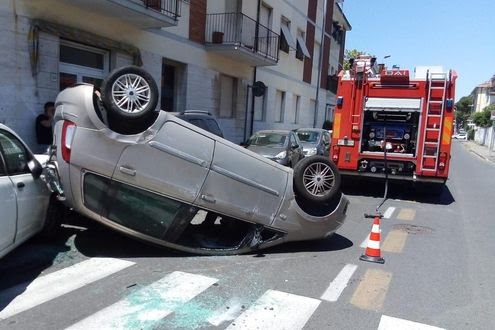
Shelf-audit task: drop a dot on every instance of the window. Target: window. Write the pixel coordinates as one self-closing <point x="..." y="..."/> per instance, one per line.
<point x="296" y="105"/>
<point x="15" y="154"/>
<point x="279" y="106"/>
<point x="259" y="107"/>
<point x="301" y="50"/>
<point x="286" y="39"/>
<point x="81" y="63"/>
<point x="228" y="95"/>
<point x="140" y="210"/>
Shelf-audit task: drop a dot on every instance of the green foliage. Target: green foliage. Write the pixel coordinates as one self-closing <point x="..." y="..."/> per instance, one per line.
<point x="465" y="104"/>
<point x="351" y="53"/>
<point x="470" y="134"/>
<point x="482" y="119"/>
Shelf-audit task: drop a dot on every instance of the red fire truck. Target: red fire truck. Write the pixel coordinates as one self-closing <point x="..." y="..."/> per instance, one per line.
<point x="389" y="122"/>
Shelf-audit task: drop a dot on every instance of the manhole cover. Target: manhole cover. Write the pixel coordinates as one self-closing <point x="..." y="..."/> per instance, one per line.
<point x="412" y="229"/>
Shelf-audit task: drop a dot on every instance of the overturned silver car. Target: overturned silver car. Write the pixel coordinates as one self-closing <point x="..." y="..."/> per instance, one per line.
<point x="157" y="178"/>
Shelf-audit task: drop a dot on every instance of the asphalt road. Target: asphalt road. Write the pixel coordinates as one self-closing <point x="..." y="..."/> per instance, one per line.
<point x="438" y="272"/>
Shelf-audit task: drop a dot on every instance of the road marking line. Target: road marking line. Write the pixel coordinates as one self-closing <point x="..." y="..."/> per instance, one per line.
<point x="277" y="310"/>
<point x="146" y="307"/>
<point x="393" y="323"/>
<point x="228" y="312"/>
<point x="395" y="241"/>
<point x="388" y="213"/>
<point x="338" y="285"/>
<point x="372" y="290"/>
<point x="406" y="214"/>
<point x="56" y="284"/>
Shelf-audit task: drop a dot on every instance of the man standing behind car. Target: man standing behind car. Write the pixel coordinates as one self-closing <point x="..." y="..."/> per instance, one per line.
<point x="44" y="133"/>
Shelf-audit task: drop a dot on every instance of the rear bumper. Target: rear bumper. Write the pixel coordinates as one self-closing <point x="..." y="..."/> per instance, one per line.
<point x="412" y="178"/>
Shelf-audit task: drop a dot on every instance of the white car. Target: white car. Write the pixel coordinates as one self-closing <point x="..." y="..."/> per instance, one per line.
<point x="27" y="207"/>
<point x="460" y="136"/>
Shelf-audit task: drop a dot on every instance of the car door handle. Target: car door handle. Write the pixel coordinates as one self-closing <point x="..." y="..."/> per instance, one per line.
<point x="208" y="198"/>
<point x="20" y="185"/>
<point x="127" y="170"/>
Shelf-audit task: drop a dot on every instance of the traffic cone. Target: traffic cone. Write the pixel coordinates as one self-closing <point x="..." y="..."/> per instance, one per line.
<point x="372" y="253"/>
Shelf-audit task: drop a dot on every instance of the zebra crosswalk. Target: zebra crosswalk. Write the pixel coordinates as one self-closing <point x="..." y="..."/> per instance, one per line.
<point x="149" y="306"/>
<point x="159" y="304"/>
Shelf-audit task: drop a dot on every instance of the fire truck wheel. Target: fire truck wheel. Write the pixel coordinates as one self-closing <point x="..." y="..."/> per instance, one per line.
<point x="316" y="179"/>
<point x="130" y="95"/>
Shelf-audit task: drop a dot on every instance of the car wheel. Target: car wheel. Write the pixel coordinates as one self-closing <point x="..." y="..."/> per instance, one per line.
<point x="316" y="179"/>
<point x="130" y="95"/>
<point x="54" y="215"/>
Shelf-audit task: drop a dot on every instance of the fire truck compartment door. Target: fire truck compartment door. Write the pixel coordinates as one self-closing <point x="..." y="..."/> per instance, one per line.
<point x="392" y="104"/>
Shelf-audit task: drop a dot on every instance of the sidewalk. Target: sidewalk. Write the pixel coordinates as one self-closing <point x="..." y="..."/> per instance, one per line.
<point x="480" y="150"/>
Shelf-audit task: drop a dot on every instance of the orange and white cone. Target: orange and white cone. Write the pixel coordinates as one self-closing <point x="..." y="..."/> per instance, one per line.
<point x="372" y="252"/>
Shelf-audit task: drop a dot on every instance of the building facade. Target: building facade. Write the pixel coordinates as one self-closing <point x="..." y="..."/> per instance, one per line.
<point x="204" y="54"/>
<point x="483" y="95"/>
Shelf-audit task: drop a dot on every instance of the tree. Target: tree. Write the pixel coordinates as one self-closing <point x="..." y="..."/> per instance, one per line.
<point x="463" y="109"/>
<point x="482" y="119"/>
<point x="351" y="53"/>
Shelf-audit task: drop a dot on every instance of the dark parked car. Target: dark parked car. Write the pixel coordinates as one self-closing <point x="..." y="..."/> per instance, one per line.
<point x="202" y="119"/>
<point x="315" y="141"/>
<point x="281" y="146"/>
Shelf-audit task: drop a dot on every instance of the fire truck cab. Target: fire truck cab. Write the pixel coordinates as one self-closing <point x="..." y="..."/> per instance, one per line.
<point x="389" y="122"/>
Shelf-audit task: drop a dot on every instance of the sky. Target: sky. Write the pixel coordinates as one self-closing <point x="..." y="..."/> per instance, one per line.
<point x="455" y="34"/>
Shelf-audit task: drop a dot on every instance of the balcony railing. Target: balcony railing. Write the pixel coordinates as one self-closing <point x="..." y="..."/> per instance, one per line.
<point x="242" y="31"/>
<point x="170" y="8"/>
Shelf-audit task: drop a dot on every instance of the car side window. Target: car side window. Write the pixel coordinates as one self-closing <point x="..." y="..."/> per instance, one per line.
<point x="213" y="127"/>
<point x="2" y="168"/>
<point x="293" y="140"/>
<point x="15" y="154"/>
<point x="326" y="138"/>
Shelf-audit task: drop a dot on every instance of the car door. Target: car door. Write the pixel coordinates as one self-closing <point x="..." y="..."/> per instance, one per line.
<point x="8" y="208"/>
<point x="243" y="185"/>
<point x="173" y="163"/>
<point x="31" y="194"/>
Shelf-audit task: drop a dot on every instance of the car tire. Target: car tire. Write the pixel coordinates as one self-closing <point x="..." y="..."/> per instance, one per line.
<point x="317" y="179"/>
<point x="54" y="215"/>
<point x="130" y="95"/>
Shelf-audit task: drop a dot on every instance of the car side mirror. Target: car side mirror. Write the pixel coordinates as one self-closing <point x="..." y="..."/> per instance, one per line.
<point x="295" y="146"/>
<point x="35" y="168"/>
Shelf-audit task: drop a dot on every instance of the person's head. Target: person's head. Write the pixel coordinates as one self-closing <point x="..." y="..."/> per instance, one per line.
<point x="49" y="109"/>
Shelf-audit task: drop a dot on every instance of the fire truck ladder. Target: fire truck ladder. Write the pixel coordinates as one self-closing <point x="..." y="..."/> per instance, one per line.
<point x="434" y="115"/>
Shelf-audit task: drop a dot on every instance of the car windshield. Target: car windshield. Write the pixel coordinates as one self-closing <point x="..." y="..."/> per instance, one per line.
<point x="268" y="139"/>
<point x="308" y="136"/>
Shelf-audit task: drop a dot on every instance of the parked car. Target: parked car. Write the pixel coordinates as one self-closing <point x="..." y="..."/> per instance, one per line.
<point x="281" y="146"/>
<point x="158" y="178"/>
<point x="315" y="141"/>
<point x="27" y="205"/>
<point x="460" y="136"/>
<point x="202" y="119"/>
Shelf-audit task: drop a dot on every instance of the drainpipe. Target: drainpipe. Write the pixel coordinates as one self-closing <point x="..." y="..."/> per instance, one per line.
<point x="258" y="10"/>
<point x="322" y="46"/>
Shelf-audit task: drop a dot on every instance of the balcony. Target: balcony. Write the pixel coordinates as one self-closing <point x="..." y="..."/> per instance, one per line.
<point x="141" y="13"/>
<point x="241" y="38"/>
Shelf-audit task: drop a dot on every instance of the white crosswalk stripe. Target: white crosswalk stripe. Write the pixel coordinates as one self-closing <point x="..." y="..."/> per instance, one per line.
<point x="149" y="305"/>
<point x="277" y="310"/>
<point x="56" y="284"/>
<point x="338" y="285"/>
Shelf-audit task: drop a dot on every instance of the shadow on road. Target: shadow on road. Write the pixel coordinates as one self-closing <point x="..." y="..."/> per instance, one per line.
<point x="335" y="242"/>
<point x="403" y="191"/>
